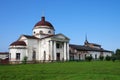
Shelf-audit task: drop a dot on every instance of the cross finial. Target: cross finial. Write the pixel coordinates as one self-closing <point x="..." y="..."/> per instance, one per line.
<point x="43" y="13"/>
<point x="86" y="37"/>
<point x="86" y="41"/>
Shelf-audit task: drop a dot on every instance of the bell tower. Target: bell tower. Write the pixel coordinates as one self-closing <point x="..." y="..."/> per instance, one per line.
<point x="86" y="41"/>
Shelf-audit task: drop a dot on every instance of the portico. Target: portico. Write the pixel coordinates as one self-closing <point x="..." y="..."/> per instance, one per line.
<point x="59" y="48"/>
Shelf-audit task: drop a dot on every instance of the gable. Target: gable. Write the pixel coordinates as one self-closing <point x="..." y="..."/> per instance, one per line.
<point x="24" y="37"/>
<point x="60" y="37"/>
<point x="21" y="38"/>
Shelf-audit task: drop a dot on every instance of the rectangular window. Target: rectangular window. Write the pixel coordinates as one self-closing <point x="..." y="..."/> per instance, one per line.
<point x="57" y="45"/>
<point x="17" y="56"/>
<point x="90" y="55"/>
<point x="79" y="56"/>
<point x="95" y="56"/>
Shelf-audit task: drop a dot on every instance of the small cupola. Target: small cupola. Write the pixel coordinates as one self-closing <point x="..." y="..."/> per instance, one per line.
<point x="43" y="28"/>
<point x="44" y="23"/>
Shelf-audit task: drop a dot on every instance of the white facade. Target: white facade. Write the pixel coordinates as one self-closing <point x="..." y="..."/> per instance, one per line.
<point x="95" y="55"/>
<point x="44" y="31"/>
<point x="4" y="55"/>
<point x="79" y="52"/>
<point x="43" y="45"/>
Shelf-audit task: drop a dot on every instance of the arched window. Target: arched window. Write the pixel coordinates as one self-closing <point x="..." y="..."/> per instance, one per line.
<point x="90" y="55"/>
<point x="95" y="56"/>
<point x="85" y="55"/>
<point x="79" y="56"/>
<point x="41" y="32"/>
<point x="9" y="56"/>
<point x="49" y="31"/>
<point x="34" y="55"/>
<point x="44" y="55"/>
<point x="34" y="32"/>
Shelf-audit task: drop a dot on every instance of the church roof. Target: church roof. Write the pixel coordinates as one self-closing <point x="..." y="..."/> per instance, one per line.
<point x="4" y="52"/>
<point x="30" y="37"/>
<point x="18" y="43"/>
<point x="55" y="36"/>
<point x="42" y="23"/>
<point x="87" y="48"/>
<point x="87" y="43"/>
<point x="94" y="44"/>
<point x="47" y="37"/>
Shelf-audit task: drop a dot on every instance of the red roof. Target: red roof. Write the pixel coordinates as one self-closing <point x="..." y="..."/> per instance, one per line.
<point x="4" y="52"/>
<point x="47" y="37"/>
<point x="18" y="43"/>
<point x="43" y="23"/>
<point x="30" y="37"/>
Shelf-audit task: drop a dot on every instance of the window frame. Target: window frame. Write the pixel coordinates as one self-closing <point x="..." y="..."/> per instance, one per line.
<point x="17" y="56"/>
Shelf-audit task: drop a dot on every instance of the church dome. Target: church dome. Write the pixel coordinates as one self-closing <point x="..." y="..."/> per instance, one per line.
<point x="18" y="43"/>
<point x="43" y="24"/>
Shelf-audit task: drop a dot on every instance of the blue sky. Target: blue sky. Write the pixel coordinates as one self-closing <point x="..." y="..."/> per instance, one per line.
<point x="99" y="19"/>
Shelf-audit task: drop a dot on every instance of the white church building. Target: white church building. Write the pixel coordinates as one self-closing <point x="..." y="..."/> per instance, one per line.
<point x="43" y="45"/>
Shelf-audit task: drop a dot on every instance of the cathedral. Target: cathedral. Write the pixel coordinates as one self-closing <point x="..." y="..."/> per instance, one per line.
<point x="45" y="45"/>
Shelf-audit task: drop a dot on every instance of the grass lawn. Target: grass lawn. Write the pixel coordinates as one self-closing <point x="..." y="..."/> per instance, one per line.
<point x="96" y="70"/>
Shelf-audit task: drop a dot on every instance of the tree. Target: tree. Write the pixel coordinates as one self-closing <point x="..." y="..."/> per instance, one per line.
<point x="88" y="58"/>
<point x="101" y="57"/>
<point x="117" y="53"/>
<point x="108" y="58"/>
<point x="25" y="60"/>
<point x="113" y="57"/>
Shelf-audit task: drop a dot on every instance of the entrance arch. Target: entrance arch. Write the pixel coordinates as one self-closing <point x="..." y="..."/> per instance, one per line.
<point x="58" y="56"/>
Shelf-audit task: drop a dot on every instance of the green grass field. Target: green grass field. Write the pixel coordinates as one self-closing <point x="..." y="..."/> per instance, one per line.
<point x="96" y="70"/>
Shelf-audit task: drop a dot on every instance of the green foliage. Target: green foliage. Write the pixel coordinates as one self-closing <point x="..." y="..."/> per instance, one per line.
<point x="101" y="57"/>
<point x="113" y="58"/>
<point x="25" y="60"/>
<point x="94" y="70"/>
<point x="117" y="54"/>
<point x="107" y="58"/>
<point x="88" y="58"/>
<point x="0" y="60"/>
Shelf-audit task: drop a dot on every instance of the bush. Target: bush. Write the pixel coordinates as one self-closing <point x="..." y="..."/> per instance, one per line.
<point x="118" y="57"/>
<point x="114" y="57"/>
<point x="107" y="58"/>
<point x="88" y="58"/>
<point x="25" y="60"/>
<point x="101" y="58"/>
<point x="117" y="54"/>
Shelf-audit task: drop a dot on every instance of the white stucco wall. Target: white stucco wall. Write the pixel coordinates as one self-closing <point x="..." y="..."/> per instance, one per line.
<point x="3" y="56"/>
<point x="44" y="49"/>
<point x="107" y="54"/>
<point x="94" y="53"/>
<point x="15" y="50"/>
<point x="32" y="45"/>
<point x="36" y="31"/>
